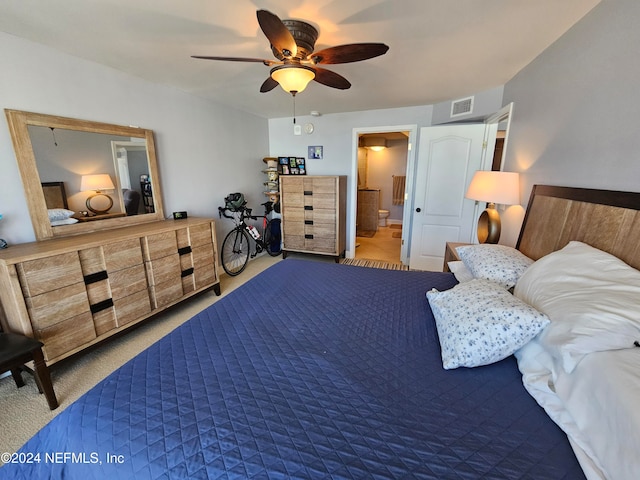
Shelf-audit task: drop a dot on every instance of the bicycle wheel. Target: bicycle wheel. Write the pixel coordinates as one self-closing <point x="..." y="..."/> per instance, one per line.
<point x="273" y="237"/>
<point x="235" y="251"/>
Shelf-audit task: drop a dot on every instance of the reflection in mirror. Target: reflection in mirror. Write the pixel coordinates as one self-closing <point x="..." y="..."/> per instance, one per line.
<point x="61" y="150"/>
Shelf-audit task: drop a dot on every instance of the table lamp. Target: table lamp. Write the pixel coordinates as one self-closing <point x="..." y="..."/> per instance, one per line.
<point x="97" y="182"/>
<point x="493" y="187"/>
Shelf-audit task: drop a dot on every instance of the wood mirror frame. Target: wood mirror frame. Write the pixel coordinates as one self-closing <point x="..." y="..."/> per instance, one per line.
<point x="19" y="122"/>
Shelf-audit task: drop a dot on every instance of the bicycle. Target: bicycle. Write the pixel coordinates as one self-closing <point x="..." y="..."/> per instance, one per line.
<point x="236" y="245"/>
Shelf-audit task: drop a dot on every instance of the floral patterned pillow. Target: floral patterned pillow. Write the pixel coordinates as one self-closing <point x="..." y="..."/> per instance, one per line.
<point x="479" y="322"/>
<point x="499" y="263"/>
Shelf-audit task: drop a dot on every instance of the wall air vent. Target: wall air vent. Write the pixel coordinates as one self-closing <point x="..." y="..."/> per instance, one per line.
<point x="464" y="106"/>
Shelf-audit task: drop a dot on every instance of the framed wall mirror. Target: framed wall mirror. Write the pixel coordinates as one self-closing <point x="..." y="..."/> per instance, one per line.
<point x="108" y="173"/>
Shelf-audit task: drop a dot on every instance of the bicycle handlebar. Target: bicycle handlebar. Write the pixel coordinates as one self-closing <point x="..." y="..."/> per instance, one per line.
<point x="244" y="213"/>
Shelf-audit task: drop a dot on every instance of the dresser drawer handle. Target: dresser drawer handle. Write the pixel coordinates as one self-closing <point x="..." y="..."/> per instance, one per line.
<point x="308" y="207"/>
<point x="184" y="250"/>
<point x="308" y="192"/>
<point x="308" y="222"/>
<point x="103" y="305"/>
<point x="187" y="272"/>
<point x="95" y="277"/>
<point x="308" y="236"/>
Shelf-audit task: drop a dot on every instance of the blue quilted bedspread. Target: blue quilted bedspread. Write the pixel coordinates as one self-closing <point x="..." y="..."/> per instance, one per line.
<point x="310" y="370"/>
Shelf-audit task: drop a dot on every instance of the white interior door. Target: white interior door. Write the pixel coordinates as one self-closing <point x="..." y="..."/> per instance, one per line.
<point x="448" y="156"/>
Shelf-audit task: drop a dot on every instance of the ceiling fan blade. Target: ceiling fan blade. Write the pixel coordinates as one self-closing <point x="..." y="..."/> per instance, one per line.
<point x="236" y="59"/>
<point x="268" y="85"/>
<point x="353" y="52"/>
<point x="331" y="79"/>
<point x="276" y="32"/>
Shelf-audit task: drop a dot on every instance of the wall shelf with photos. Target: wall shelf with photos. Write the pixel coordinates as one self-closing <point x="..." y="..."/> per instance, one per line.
<point x="292" y="166"/>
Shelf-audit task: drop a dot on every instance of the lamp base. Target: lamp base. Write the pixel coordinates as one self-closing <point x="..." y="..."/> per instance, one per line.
<point x="489" y="225"/>
<point x="99" y="205"/>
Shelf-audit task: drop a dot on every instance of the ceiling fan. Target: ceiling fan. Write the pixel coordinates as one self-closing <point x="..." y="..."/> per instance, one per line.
<point x="292" y="43"/>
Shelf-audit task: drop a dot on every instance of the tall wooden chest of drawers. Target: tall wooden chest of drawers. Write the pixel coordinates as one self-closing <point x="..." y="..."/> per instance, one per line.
<point x="314" y="214"/>
<point x="72" y="292"/>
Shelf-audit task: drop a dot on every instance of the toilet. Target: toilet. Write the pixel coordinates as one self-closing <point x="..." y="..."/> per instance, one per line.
<point x="382" y="217"/>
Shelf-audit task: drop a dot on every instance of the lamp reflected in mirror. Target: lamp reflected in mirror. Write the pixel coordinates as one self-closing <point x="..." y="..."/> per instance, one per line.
<point x="494" y="188"/>
<point x="99" y="202"/>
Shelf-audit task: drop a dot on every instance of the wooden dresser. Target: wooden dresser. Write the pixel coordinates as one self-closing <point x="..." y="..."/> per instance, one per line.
<point x="313" y="214"/>
<point x="73" y="292"/>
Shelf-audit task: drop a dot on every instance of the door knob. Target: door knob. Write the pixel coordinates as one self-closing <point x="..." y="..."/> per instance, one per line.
<point x="418" y="209"/>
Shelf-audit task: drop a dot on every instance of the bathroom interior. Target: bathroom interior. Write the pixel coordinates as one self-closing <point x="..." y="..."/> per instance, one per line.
<point x="382" y="166"/>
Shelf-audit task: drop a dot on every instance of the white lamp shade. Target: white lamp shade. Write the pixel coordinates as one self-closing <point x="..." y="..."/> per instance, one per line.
<point x="293" y="78"/>
<point x="495" y="187"/>
<point x="97" y="182"/>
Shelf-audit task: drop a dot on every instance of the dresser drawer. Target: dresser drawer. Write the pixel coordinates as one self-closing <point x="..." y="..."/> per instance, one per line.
<point x="164" y="269"/>
<point x="64" y="336"/>
<point x="205" y="275"/>
<point x="104" y="320"/>
<point x="51" y="273"/>
<point x="53" y="307"/>
<point x="122" y="254"/>
<point x="200" y="235"/>
<point x="92" y="260"/>
<point x="315" y="244"/>
<point x="132" y="307"/>
<point x="326" y="230"/>
<point x="125" y="282"/>
<point x="159" y="245"/>
<point x="164" y="293"/>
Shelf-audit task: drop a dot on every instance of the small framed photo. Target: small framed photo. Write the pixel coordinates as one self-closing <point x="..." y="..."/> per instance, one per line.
<point x="315" y="152"/>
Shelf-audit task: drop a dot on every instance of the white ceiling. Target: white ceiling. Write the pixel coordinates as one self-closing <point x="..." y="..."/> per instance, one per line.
<point x="439" y="49"/>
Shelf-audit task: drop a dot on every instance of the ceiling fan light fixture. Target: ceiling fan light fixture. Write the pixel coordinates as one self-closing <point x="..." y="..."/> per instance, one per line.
<point x="293" y="78"/>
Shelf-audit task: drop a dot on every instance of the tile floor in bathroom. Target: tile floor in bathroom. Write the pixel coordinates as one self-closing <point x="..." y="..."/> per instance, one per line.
<point x="382" y="246"/>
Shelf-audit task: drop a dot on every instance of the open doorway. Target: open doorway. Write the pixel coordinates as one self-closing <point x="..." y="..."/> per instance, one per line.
<point x="384" y="155"/>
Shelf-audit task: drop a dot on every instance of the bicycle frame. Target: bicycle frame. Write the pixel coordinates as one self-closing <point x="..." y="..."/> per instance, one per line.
<point x="241" y="224"/>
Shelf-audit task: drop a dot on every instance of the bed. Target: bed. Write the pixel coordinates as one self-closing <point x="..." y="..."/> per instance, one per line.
<point x="320" y="370"/>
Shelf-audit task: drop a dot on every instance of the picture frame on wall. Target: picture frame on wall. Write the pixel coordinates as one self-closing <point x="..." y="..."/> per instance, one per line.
<point x="292" y="166"/>
<point x="315" y="151"/>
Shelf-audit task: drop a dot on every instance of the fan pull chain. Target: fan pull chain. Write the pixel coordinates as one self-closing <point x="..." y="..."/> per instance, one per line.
<point x="294" y="107"/>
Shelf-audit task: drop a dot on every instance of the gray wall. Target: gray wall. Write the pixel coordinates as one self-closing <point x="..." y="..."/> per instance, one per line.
<point x="204" y="150"/>
<point x="576" y="116"/>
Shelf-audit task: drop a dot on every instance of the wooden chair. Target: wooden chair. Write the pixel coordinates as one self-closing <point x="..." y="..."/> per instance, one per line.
<point x="15" y="351"/>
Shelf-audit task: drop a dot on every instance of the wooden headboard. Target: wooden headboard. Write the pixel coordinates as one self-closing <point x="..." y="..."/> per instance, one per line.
<point x="605" y="219"/>
<point x="55" y="195"/>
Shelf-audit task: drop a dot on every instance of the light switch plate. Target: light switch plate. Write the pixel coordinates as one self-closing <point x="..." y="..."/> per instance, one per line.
<point x="297" y="129"/>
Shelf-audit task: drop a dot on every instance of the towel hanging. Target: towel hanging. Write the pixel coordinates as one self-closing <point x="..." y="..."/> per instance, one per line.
<point x="398" y="189"/>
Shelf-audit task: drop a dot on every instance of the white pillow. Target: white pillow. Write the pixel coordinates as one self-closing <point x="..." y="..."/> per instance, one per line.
<point x="461" y="272"/>
<point x="66" y="221"/>
<point x="499" y="263"/>
<point x="479" y="322"/>
<point x="56" y="214"/>
<point x="591" y="297"/>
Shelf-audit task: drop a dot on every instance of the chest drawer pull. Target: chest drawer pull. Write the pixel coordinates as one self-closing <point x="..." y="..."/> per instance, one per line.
<point x="184" y="250"/>
<point x="95" y="277"/>
<point x="187" y="272"/>
<point x="308" y="222"/>
<point x="103" y="305"/>
<point x="308" y="207"/>
<point x="308" y="236"/>
<point x="308" y="192"/>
